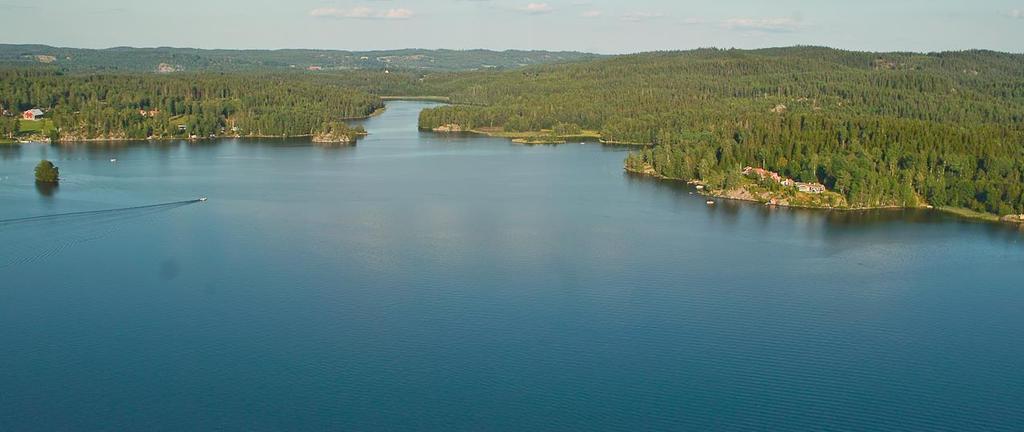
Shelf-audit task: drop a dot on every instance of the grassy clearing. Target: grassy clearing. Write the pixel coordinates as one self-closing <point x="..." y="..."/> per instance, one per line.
<point x="29" y="127"/>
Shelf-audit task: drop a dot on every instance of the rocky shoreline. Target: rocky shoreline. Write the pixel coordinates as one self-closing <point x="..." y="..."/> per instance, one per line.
<point x="742" y="194"/>
<point x="335" y="138"/>
<point x="527" y="138"/>
<point x="1017" y="219"/>
<point x="158" y="138"/>
<point x="449" y="128"/>
<point x="739" y="194"/>
<point x="318" y="138"/>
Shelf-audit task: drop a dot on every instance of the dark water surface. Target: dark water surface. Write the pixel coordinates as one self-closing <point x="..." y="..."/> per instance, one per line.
<point x="422" y="282"/>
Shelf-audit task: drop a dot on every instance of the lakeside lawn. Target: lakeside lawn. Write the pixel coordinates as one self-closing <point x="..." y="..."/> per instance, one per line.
<point x="30" y="127"/>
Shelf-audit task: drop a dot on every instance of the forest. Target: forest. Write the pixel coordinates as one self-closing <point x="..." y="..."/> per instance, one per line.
<point x="139" y="106"/>
<point x="881" y="129"/>
<point x="894" y="129"/>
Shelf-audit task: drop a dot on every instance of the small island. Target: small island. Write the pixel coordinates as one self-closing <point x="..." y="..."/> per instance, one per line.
<point x="338" y="133"/>
<point x="47" y="173"/>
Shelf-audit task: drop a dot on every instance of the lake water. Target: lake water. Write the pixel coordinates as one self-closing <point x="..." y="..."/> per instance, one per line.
<point x="425" y="282"/>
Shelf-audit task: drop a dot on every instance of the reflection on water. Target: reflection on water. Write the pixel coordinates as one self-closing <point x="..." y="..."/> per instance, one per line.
<point x="47" y="189"/>
<point x="854" y="220"/>
<point x="10" y="151"/>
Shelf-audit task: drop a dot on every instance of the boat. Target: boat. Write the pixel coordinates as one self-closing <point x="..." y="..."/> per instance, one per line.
<point x="202" y="199"/>
<point x="711" y="202"/>
<point x="113" y="160"/>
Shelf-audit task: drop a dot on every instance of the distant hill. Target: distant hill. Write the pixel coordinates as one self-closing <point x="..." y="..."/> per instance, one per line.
<point x="167" y="60"/>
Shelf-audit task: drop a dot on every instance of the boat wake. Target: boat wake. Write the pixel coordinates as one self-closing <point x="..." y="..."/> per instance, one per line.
<point x="32" y="239"/>
<point x="164" y="206"/>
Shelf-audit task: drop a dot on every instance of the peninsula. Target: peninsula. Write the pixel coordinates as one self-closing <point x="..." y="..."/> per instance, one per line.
<point x="876" y="130"/>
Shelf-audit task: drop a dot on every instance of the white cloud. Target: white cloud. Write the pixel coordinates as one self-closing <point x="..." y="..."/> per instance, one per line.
<point x="762" y="24"/>
<point x="362" y="12"/>
<point x="592" y="14"/>
<point x="1017" y="13"/>
<point x="400" y="13"/>
<point x="641" y="16"/>
<point x="537" y="8"/>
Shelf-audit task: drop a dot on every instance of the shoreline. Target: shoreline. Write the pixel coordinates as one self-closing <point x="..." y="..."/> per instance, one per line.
<point x="537" y="137"/>
<point x="165" y="139"/>
<point x="376" y="112"/>
<point x="705" y="192"/>
<point x="626" y="143"/>
<point x="956" y="211"/>
<point x="444" y="99"/>
<point x="526" y="138"/>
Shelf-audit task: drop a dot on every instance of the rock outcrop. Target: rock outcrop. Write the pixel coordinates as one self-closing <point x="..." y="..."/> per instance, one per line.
<point x="1014" y="218"/>
<point x="451" y="127"/>
<point x="333" y="138"/>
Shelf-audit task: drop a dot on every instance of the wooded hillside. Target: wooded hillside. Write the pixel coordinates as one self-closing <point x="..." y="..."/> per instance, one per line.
<point x="881" y="129"/>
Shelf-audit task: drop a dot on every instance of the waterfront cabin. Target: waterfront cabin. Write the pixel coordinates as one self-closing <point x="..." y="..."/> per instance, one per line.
<point x="32" y="114"/>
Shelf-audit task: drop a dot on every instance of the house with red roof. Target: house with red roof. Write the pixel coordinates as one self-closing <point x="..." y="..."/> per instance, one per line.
<point x="32" y="114"/>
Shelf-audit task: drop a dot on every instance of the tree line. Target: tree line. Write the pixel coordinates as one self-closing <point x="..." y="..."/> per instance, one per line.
<point x="137" y="106"/>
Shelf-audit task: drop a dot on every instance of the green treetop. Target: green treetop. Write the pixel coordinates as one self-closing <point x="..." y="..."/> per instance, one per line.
<point x="46" y="172"/>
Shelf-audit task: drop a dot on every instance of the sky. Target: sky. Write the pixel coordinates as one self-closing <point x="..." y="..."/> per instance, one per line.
<point x="601" y="26"/>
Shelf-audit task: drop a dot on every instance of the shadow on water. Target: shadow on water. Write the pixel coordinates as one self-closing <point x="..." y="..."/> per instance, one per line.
<point x="103" y="151"/>
<point x="47" y="189"/>
<point x="661" y="184"/>
<point x="296" y="142"/>
<point x="10" y="151"/>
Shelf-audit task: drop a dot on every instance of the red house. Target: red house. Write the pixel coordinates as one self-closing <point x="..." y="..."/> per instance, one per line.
<point x="32" y="114"/>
